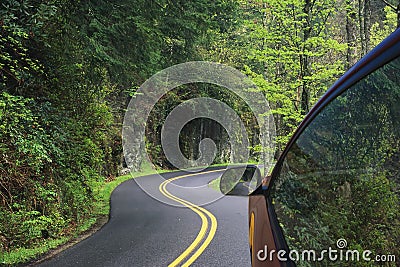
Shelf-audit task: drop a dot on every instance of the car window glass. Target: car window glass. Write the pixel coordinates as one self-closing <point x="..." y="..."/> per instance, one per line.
<point x="340" y="180"/>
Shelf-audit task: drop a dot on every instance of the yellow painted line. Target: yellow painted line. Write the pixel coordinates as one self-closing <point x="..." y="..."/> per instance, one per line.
<point x="199" y="211"/>
<point x="210" y="236"/>
<point x="201" y="233"/>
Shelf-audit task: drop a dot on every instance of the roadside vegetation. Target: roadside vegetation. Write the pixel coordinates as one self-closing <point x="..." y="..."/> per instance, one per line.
<point x="99" y="215"/>
<point x="69" y="68"/>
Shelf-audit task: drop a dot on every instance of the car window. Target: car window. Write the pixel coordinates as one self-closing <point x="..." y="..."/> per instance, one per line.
<point x="340" y="180"/>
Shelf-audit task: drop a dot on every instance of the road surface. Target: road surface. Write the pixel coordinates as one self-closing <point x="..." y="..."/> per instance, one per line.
<point x="143" y="231"/>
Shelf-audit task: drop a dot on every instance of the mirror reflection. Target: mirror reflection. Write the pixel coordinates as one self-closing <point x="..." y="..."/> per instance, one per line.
<point x="240" y="180"/>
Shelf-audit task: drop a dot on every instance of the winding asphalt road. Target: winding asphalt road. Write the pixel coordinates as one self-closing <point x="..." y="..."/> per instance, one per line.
<point x="143" y="231"/>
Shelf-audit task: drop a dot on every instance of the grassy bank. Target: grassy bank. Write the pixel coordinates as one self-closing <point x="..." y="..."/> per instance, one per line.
<point x="101" y="209"/>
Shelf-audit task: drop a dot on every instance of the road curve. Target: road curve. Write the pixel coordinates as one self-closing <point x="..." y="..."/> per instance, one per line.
<point x="143" y="231"/>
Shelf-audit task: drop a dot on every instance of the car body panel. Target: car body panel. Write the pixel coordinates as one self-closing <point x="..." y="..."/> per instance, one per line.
<point x="261" y="232"/>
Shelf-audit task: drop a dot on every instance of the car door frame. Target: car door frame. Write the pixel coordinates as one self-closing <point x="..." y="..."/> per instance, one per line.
<point x="382" y="54"/>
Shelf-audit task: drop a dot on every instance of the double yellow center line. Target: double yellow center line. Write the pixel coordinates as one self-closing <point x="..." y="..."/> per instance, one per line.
<point x="203" y="213"/>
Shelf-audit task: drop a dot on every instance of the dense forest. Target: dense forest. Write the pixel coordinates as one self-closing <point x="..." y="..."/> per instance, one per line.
<point x="68" y="69"/>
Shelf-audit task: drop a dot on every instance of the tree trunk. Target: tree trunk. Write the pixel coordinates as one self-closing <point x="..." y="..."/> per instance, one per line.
<point x="350" y="34"/>
<point x="304" y="60"/>
<point x="361" y="25"/>
<point x="366" y="26"/>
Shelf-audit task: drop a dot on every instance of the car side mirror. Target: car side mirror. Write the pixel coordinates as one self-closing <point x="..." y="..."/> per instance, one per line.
<point x="240" y="181"/>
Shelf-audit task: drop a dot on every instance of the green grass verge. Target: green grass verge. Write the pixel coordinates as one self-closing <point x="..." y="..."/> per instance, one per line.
<point x="22" y="255"/>
<point x="104" y="190"/>
<point x="101" y="209"/>
<point x="214" y="184"/>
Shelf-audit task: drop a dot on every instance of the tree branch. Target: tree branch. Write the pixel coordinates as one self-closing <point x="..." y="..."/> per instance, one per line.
<point x="389" y="5"/>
